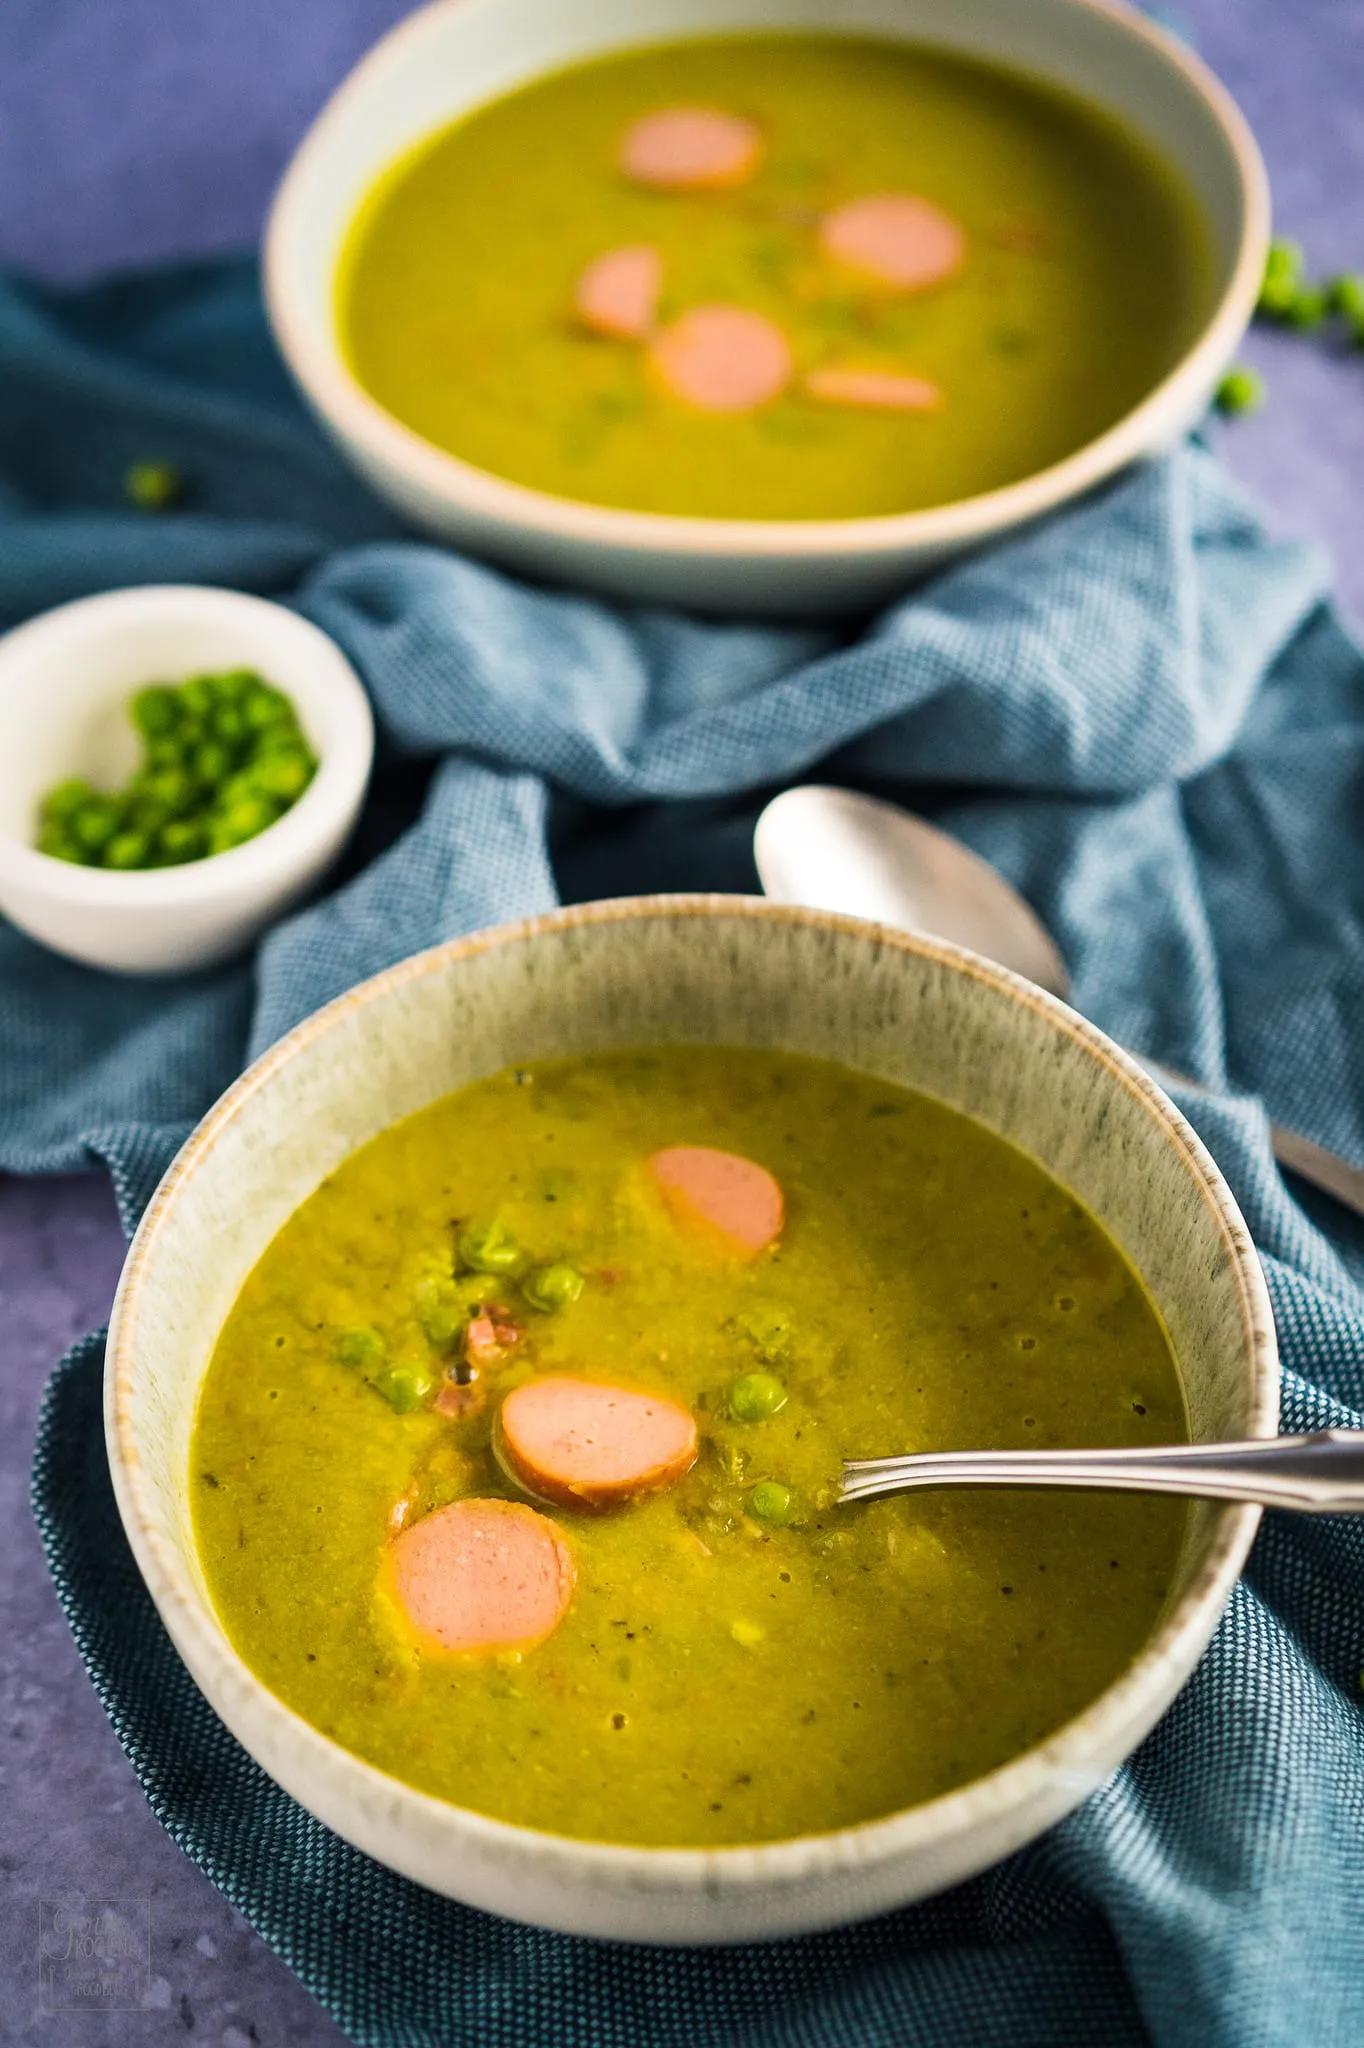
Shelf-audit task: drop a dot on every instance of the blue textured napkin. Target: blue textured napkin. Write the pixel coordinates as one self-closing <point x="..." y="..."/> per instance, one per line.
<point x="1150" y="718"/>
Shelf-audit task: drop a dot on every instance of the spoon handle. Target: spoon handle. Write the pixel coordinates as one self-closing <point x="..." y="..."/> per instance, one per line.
<point x="1321" y="1474"/>
<point x="1303" y="1156"/>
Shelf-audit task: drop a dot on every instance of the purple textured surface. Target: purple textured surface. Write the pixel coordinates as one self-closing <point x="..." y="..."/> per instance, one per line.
<point x="140" y="132"/>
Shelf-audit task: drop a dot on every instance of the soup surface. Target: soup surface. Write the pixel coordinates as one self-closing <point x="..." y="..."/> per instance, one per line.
<point x="719" y="1675"/>
<point x="1036" y="272"/>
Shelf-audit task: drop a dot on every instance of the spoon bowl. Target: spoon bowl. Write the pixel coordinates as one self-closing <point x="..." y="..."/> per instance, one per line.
<point x="834" y="849"/>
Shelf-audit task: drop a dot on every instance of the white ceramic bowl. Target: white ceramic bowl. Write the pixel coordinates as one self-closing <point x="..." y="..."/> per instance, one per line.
<point x="720" y="970"/>
<point x="65" y="681"/>
<point x="449" y="56"/>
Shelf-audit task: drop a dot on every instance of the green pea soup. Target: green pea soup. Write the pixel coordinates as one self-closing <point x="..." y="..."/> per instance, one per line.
<point x="742" y="1660"/>
<point x="1086" y="275"/>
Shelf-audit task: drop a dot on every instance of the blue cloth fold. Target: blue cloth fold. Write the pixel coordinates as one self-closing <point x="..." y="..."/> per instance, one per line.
<point x="1150" y="718"/>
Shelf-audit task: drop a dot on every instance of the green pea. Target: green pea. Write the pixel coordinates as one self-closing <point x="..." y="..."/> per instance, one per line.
<point x="478" y="1292"/>
<point x="284" y="775"/>
<point x="94" y="826"/>
<point x="1242" y="390"/>
<point x="441" y="1313"/>
<point x="1308" y="307"/>
<point x="552" y="1287"/>
<point x="245" y="819"/>
<point x="180" y="840"/>
<point x="198" y="696"/>
<point x="769" y="1501"/>
<point x="65" y="799"/>
<point x="212" y="764"/>
<point x="755" y="1396"/>
<point x="236" y="683"/>
<point x="1346" y="294"/>
<point x="488" y="1248"/>
<point x="404" y="1387"/>
<point x="1284" y="259"/>
<point x="165" y="752"/>
<point x="263" y="706"/>
<point x="128" y="850"/>
<point x="56" y="842"/>
<point x="1276" y="296"/>
<point x="171" y="788"/>
<point x="155" y="711"/>
<point x="228" y="726"/>
<point x="152" y="486"/>
<point x="363" y="1348"/>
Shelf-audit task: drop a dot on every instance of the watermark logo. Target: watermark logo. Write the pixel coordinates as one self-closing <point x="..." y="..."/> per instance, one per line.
<point x="94" y="1955"/>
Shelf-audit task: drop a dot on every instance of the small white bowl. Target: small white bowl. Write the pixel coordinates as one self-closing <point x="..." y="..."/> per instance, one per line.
<point x="65" y="681"/>
<point x="450" y="56"/>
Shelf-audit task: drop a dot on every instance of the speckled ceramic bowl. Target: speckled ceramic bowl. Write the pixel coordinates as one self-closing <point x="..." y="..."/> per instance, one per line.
<point x="719" y="970"/>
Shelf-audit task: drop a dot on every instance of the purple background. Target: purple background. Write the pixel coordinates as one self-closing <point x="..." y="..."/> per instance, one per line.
<point x="136" y="131"/>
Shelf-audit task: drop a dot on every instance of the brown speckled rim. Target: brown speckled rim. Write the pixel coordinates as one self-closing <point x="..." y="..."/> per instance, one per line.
<point x="1077" y="1755"/>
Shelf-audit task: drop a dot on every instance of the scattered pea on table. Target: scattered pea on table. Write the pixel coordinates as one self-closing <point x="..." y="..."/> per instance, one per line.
<point x="224" y="756"/>
<point x="1241" y="390"/>
<point x="153" y="486"/>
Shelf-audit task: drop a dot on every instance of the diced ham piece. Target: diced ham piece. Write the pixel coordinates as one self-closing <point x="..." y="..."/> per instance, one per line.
<point x="690" y="149"/>
<point x="481" y="1575"/>
<point x="895" y="238"/>
<point x="583" y="1444"/>
<point x="885" y="390"/>
<point x="722" y="1192"/>
<point x="617" y="294"/>
<point x="722" y="359"/>
<point x="458" y="1398"/>
<point x="489" y="1337"/>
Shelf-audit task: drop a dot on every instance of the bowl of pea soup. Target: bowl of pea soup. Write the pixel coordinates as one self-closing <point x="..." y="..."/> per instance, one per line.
<point x="481" y="1374"/>
<point x="747" y="310"/>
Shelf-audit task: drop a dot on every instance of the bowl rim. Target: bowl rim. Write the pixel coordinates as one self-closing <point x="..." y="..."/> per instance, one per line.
<point x="383" y="441"/>
<point x="1101" y="1730"/>
<point x="342" y="770"/>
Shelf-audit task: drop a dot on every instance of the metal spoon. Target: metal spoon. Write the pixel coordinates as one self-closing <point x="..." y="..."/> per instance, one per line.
<point x="835" y="850"/>
<point x="1321" y="1474"/>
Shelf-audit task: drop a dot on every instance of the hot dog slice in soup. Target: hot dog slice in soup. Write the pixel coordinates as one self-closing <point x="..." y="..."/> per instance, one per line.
<point x="722" y="1192"/>
<point x="585" y="1444"/>
<point x="690" y="149"/>
<point x="876" y="390"/>
<point x="895" y="238"/>
<point x="617" y="294"/>
<point x="722" y="359"/>
<point x="481" y="1575"/>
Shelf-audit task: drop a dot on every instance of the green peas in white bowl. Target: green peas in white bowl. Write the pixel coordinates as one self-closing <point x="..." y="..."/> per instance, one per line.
<point x="223" y="757"/>
<point x="183" y="764"/>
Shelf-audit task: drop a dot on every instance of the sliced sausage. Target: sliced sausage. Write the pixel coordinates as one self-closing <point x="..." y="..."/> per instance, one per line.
<point x="723" y="1192"/>
<point x="481" y="1575"/>
<point x="587" y="1445"/>
<point x="617" y="295"/>
<point x="896" y="238"/>
<point x="690" y="149"/>
<point x="887" y="390"/>
<point x="722" y="358"/>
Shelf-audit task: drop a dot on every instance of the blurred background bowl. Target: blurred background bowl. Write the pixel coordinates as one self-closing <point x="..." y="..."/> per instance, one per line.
<point x="451" y="56"/>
